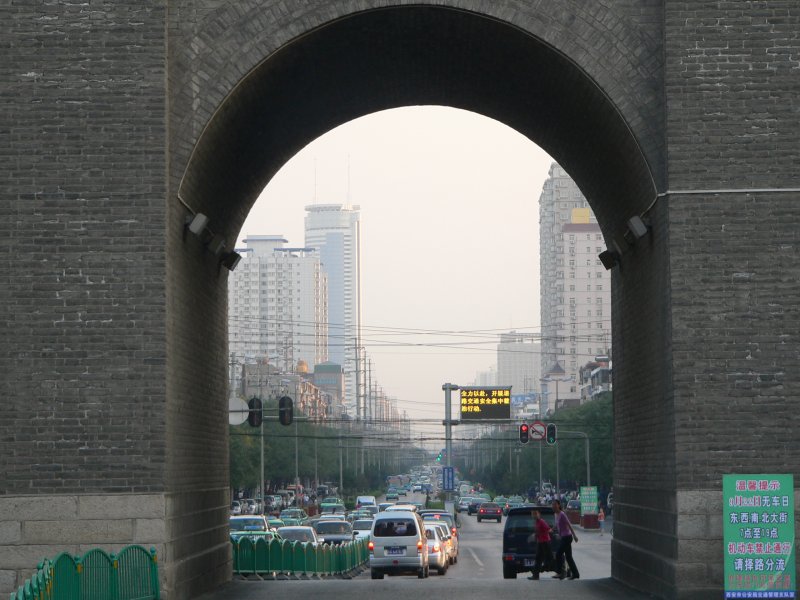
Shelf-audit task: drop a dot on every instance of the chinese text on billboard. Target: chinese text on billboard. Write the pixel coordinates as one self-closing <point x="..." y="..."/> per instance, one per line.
<point x="758" y="524"/>
<point x="479" y="403"/>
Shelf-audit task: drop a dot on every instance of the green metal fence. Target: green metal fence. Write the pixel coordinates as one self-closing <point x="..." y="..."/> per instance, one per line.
<point x="131" y="574"/>
<point x="282" y="558"/>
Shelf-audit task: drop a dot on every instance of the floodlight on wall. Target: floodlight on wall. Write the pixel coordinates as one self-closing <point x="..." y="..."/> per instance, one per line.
<point x="216" y="245"/>
<point x="229" y="260"/>
<point x="609" y="259"/>
<point x="197" y="223"/>
<point x="637" y="228"/>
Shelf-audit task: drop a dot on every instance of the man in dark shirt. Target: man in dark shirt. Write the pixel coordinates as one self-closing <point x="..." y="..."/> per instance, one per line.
<point x="566" y="533"/>
<point x="541" y="532"/>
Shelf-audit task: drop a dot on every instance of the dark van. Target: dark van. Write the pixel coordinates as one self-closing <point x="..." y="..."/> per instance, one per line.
<point x="519" y="545"/>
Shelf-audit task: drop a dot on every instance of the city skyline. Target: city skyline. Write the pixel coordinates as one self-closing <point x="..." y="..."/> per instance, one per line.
<point x="449" y="205"/>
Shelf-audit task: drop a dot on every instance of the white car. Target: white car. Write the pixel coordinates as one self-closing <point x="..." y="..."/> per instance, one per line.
<point x="437" y="549"/>
<point x="236" y="507"/>
<point x="361" y="529"/>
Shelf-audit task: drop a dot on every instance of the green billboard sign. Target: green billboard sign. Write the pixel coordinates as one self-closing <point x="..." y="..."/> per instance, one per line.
<point x="589" y="500"/>
<point x="758" y="528"/>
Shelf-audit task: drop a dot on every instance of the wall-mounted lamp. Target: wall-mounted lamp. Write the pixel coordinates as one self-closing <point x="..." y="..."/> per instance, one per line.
<point x="609" y="259"/>
<point x="216" y="245"/>
<point x="637" y="228"/>
<point x="229" y="260"/>
<point x="197" y="223"/>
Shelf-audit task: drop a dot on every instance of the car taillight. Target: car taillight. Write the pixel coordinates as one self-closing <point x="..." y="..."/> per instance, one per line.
<point x="371" y="546"/>
<point x="482" y="510"/>
<point x="436" y="548"/>
<point x="419" y="545"/>
<point x="453" y="529"/>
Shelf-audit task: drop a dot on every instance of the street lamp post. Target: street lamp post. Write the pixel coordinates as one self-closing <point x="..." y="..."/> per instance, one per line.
<point x="588" y="466"/>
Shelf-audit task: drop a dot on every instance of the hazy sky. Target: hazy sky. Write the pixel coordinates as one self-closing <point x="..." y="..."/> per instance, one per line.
<point x="449" y="213"/>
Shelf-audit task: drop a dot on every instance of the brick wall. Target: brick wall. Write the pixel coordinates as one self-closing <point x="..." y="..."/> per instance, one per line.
<point x="82" y="226"/>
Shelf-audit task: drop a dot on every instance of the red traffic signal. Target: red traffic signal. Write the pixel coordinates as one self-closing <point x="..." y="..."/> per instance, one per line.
<point x="524" y="433"/>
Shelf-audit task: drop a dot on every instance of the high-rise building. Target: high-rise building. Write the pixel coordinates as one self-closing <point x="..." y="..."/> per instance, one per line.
<point x="519" y="362"/>
<point x="575" y="288"/>
<point x="334" y="229"/>
<point x="277" y="305"/>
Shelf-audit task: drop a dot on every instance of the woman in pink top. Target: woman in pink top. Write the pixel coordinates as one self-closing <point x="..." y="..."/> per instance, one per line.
<point x="567" y="534"/>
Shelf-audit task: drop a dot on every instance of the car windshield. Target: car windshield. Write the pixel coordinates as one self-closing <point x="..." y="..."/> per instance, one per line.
<point x="296" y="535"/>
<point x="333" y="527"/>
<point x="489" y="505"/>
<point x="333" y="509"/>
<point x="395" y="528"/>
<point x="363" y="525"/>
<point x="248" y="525"/>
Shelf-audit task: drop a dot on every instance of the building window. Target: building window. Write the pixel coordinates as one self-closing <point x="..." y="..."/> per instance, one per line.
<point x="599" y="287"/>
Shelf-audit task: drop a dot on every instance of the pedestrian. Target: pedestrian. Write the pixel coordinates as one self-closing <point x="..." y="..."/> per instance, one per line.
<point x="601" y="519"/>
<point x="544" y="552"/>
<point x="567" y="534"/>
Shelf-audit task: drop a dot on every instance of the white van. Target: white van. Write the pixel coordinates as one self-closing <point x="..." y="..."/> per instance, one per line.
<point x="398" y="544"/>
<point x="362" y="501"/>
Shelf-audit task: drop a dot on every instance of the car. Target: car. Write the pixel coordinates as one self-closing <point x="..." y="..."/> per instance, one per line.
<point x="384" y="505"/>
<point x="299" y="533"/>
<point x="236" y="507"/>
<point x="334" y="532"/>
<point x="442" y="516"/>
<point x="275" y="523"/>
<point x="463" y="503"/>
<point x="490" y="510"/>
<point x="402" y="491"/>
<point x="398" y="544"/>
<point x="294" y="513"/>
<point x="474" y="504"/>
<point x="250" y="526"/>
<point x="333" y="509"/>
<point x="406" y="507"/>
<point x="417" y="487"/>
<point x="448" y="538"/>
<point x="362" y="528"/>
<point x="392" y="496"/>
<point x="362" y="501"/>
<point x="519" y="546"/>
<point x="437" y="550"/>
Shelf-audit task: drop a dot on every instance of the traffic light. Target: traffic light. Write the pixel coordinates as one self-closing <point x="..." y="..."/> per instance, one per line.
<point x="439" y="458"/>
<point x="256" y="415"/>
<point x="552" y="433"/>
<point x="285" y="410"/>
<point x="524" y="433"/>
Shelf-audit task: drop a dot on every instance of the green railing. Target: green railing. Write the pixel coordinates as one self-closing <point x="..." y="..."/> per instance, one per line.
<point x="282" y="558"/>
<point x="131" y="574"/>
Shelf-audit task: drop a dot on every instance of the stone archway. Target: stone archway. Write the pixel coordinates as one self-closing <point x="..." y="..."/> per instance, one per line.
<point x="391" y="57"/>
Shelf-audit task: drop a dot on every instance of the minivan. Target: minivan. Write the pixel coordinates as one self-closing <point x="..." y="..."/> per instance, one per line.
<point x="362" y="501"/>
<point x="398" y="544"/>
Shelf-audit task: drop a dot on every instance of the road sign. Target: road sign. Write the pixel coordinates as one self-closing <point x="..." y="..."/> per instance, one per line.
<point x="237" y="411"/>
<point x="448" y="479"/>
<point x="537" y="431"/>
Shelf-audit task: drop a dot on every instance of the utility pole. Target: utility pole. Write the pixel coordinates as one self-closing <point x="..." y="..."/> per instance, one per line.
<point x="358" y="378"/>
<point x="448" y="426"/>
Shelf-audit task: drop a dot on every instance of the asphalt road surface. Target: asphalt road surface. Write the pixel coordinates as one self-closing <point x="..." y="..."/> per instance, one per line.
<point x="477" y="575"/>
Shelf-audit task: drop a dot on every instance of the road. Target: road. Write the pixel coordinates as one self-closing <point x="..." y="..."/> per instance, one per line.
<point x="477" y="575"/>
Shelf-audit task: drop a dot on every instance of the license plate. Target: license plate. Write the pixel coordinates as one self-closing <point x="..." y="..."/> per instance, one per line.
<point x="395" y="551"/>
<point x="529" y="562"/>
